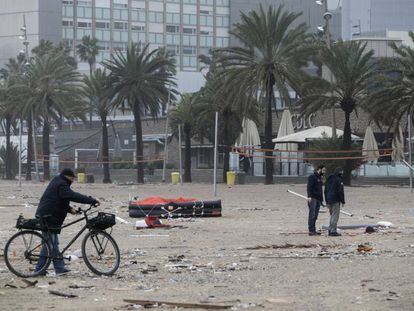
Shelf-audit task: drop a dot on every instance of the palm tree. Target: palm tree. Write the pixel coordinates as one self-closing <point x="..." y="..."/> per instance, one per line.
<point x="270" y="60"/>
<point x="183" y="115"/>
<point x="6" y="113"/>
<point x="50" y="89"/>
<point x="393" y="97"/>
<point x="87" y="50"/>
<point x="139" y="79"/>
<point x="352" y="69"/>
<point x="97" y="89"/>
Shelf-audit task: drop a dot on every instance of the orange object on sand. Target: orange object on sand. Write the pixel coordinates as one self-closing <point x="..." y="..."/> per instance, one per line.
<point x="161" y="200"/>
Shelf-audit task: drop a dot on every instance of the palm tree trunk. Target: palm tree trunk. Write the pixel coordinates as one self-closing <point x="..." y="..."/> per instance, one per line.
<point x="9" y="174"/>
<point x="187" y="153"/>
<point x="29" y="148"/>
<point x="105" y="151"/>
<point x="268" y="133"/>
<point x="227" y="146"/>
<point x="46" y="149"/>
<point x="139" y="144"/>
<point x="346" y="145"/>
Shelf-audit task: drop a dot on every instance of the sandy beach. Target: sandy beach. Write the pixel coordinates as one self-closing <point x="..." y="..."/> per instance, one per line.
<point x="258" y="256"/>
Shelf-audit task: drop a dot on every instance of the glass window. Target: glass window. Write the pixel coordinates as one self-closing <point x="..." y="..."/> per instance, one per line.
<point x="124" y="36"/>
<point x="88" y="12"/>
<point x="173" y="49"/>
<point x="189" y="40"/>
<point x="222" y="42"/>
<point x="116" y="35"/>
<point x="116" y="14"/>
<point x="67" y="33"/>
<point x="222" y="21"/>
<point x="156" y="38"/>
<point x="172" y="18"/>
<point x="102" y="13"/>
<point x="102" y="25"/>
<point x="189" y="61"/>
<point x="138" y="36"/>
<point x="169" y="28"/>
<point x="137" y="27"/>
<point x="189" y="30"/>
<point x="155" y="17"/>
<point x="222" y="2"/>
<point x="121" y="25"/>
<point x="84" y="25"/>
<point x="67" y="11"/>
<point x="206" y="2"/>
<point x="206" y="20"/>
<point x="189" y="19"/>
<point x="190" y="1"/>
<point x="124" y="15"/>
<point x="138" y="16"/>
<point x="172" y="39"/>
<point x="189" y="50"/>
<point x="206" y="41"/>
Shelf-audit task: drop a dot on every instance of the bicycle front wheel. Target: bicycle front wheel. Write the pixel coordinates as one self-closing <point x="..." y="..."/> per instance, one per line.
<point x="100" y="252"/>
<point x="23" y="252"/>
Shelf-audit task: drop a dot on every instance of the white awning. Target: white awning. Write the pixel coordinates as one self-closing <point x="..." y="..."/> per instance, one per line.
<point x="312" y="133"/>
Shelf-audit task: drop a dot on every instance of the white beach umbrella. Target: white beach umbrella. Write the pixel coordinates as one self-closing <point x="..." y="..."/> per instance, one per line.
<point x="370" y="146"/>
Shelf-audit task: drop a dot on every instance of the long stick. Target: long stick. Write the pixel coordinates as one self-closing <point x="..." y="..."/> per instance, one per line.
<point x="410" y="151"/>
<point x="303" y="197"/>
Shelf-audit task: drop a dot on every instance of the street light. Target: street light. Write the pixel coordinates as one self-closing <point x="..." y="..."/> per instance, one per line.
<point x="325" y="29"/>
<point x="26" y="42"/>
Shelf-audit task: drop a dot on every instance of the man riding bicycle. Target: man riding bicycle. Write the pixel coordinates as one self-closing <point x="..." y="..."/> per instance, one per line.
<point x="53" y="207"/>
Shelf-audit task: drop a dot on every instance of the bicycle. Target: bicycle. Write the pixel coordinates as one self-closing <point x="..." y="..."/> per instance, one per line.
<point x="100" y="252"/>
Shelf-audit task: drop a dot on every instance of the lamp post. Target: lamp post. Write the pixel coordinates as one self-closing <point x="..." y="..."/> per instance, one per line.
<point x="327" y="16"/>
<point x="25" y="42"/>
<point x="164" y="164"/>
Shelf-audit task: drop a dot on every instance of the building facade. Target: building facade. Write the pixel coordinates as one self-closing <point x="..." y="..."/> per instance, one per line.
<point x="376" y="15"/>
<point x="43" y="21"/>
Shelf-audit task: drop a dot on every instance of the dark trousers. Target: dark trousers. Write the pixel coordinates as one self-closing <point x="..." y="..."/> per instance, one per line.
<point x="58" y="264"/>
<point x="314" y="206"/>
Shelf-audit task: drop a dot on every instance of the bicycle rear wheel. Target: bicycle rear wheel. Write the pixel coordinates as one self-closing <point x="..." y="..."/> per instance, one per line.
<point x="100" y="252"/>
<point x="22" y="253"/>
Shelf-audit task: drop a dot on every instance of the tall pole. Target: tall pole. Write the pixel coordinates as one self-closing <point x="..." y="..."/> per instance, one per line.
<point x="164" y="163"/>
<point x="410" y="116"/>
<point x="179" y="154"/>
<point x="34" y="145"/>
<point x="215" y="155"/>
<point x="20" y="153"/>
<point x="327" y="16"/>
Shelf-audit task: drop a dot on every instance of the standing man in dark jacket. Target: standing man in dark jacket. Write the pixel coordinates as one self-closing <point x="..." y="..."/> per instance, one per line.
<point x="334" y="196"/>
<point x="315" y="197"/>
<point x="54" y="206"/>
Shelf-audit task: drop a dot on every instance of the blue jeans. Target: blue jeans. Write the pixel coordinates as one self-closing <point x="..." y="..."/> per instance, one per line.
<point x="314" y="206"/>
<point x="58" y="264"/>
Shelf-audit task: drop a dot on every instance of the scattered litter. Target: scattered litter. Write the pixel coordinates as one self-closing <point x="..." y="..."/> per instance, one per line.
<point x="357" y="226"/>
<point x="10" y="285"/>
<point x="122" y="220"/>
<point x="149" y="269"/>
<point x="368" y="216"/>
<point x="283" y="246"/>
<point x="277" y="300"/>
<point x="150" y="222"/>
<point x="57" y="293"/>
<point x="370" y="229"/>
<point x="150" y="235"/>
<point x="29" y="283"/>
<point x="374" y="290"/>
<point x="155" y="303"/>
<point x="75" y="286"/>
<point x="364" y="248"/>
<point x="385" y="224"/>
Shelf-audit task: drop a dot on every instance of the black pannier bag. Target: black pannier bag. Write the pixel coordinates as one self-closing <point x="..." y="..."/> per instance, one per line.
<point x="23" y="223"/>
<point x="102" y="221"/>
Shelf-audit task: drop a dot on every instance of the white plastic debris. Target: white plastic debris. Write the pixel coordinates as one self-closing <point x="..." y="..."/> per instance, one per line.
<point x="385" y="224"/>
<point x="122" y="220"/>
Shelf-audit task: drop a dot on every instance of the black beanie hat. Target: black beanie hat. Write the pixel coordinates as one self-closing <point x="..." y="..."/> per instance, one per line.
<point x="68" y="172"/>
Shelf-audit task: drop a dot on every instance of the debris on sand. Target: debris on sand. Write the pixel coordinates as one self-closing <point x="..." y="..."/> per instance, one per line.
<point x="156" y="303"/>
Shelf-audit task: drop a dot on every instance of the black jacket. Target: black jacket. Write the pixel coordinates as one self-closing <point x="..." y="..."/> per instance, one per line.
<point x="315" y="187"/>
<point x="55" y="201"/>
<point x="334" y="189"/>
